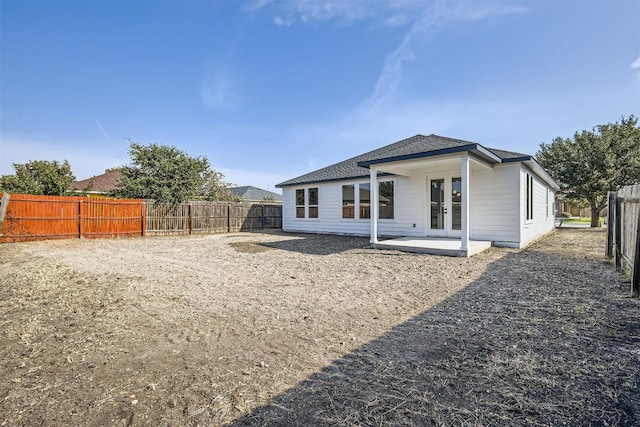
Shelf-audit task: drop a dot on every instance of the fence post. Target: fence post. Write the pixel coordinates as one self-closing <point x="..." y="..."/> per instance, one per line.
<point x="610" y="219"/>
<point x="618" y="233"/>
<point x="143" y="221"/>
<point x="190" y="218"/>
<point x="80" y="220"/>
<point x="228" y="217"/>
<point x="3" y="208"/>
<point x="263" y="218"/>
<point x="635" y="279"/>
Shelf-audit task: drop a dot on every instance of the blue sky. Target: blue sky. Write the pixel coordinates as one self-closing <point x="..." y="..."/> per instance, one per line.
<point x="269" y="90"/>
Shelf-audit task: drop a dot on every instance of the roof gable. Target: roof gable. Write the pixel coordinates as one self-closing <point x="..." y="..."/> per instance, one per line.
<point x="249" y="192"/>
<point x="415" y="146"/>
<point x="104" y="183"/>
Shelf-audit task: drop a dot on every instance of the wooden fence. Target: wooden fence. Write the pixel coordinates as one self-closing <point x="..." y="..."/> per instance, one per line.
<point x="623" y="234"/>
<point x="211" y="217"/>
<point x="28" y="217"/>
<point x="25" y="217"/>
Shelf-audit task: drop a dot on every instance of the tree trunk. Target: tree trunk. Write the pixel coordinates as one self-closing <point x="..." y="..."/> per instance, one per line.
<point x="595" y="215"/>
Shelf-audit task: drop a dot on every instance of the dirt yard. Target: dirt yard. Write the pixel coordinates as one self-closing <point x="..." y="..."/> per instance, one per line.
<point x="282" y="329"/>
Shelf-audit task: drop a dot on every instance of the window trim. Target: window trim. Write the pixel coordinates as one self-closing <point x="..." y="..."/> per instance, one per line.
<point x="356" y="197"/>
<point x="309" y="205"/>
<point x="358" y="205"/>
<point x="546" y="216"/>
<point x="355" y="202"/>
<point x="303" y="205"/>
<point x="529" y="198"/>
<point x="394" y="182"/>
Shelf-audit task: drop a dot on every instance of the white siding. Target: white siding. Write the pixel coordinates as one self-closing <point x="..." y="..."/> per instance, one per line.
<point x="542" y="221"/>
<point x="495" y="207"/>
<point x="329" y="212"/>
<point x="409" y="209"/>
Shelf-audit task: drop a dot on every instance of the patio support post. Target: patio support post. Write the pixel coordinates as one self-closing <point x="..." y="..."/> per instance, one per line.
<point x="464" y="243"/>
<point x="373" y="207"/>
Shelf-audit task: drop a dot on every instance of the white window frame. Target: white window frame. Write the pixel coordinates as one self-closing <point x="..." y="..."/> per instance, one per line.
<point x="306" y="205"/>
<point x="358" y="202"/>
<point x="355" y="202"/>
<point x="303" y="205"/>
<point x="309" y="205"/>
<point x="529" y="198"/>
<point x="547" y="205"/>
<point x="395" y="186"/>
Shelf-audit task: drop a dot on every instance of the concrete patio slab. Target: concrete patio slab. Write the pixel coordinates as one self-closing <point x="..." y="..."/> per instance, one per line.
<point x="434" y="246"/>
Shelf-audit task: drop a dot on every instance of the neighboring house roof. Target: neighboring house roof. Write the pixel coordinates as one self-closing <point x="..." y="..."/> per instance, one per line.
<point x="104" y="183"/>
<point x="417" y="146"/>
<point x="255" y="194"/>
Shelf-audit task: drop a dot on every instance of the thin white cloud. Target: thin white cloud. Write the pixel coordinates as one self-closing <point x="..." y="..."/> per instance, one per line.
<point x="284" y="21"/>
<point x="427" y="18"/>
<point x="103" y="131"/>
<point x="396" y="20"/>
<point x="288" y="12"/>
<point x="327" y="10"/>
<point x="636" y="64"/>
<point x="220" y="89"/>
<point x="256" y="5"/>
<point x="421" y="17"/>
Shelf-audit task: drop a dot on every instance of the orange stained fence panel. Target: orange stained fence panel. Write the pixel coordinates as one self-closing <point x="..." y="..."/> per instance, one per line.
<point x="34" y="217"/>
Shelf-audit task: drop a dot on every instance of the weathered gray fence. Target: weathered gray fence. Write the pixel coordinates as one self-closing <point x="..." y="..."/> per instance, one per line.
<point x="623" y="236"/>
<point x="211" y="217"/>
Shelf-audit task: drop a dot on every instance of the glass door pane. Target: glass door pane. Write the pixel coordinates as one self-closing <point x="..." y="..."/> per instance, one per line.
<point x="437" y="204"/>
<point x="456" y="203"/>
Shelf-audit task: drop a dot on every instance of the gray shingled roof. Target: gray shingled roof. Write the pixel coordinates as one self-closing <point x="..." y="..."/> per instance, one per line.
<point x="249" y="192"/>
<point x="349" y="169"/>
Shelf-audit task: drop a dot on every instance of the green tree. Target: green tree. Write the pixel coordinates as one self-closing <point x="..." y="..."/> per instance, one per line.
<point x="217" y="189"/>
<point x="168" y="175"/>
<point x="594" y="162"/>
<point x="50" y="178"/>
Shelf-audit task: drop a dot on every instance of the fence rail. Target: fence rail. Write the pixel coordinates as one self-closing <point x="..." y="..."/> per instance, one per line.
<point x="30" y="217"/>
<point x="623" y="235"/>
<point x="211" y="217"/>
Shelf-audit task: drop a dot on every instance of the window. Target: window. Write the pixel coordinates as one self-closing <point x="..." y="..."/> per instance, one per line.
<point x="365" y="203"/>
<point x="456" y="203"/>
<point x="307" y="207"/>
<point x="313" y="202"/>
<point x="546" y="216"/>
<point x="348" y="201"/>
<point x="529" y="197"/>
<point x="300" y="203"/>
<point x="385" y="200"/>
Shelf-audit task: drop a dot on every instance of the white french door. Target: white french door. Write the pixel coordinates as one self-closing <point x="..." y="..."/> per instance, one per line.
<point x="444" y="206"/>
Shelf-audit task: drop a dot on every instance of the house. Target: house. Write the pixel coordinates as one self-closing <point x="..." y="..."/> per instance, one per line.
<point x="98" y="184"/>
<point x="256" y="195"/>
<point x="426" y="187"/>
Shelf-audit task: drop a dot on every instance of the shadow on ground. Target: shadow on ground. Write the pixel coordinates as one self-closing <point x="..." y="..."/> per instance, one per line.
<point x="546" y="336"/>
<point x="319" y="244"/>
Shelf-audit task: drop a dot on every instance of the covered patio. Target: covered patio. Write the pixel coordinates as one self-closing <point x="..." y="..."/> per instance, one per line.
<point x="449" y="213"/>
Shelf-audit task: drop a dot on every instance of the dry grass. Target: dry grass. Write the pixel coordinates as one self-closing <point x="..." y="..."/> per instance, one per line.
<point x="546" y="336"/>
<point x="280" y="329"/>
